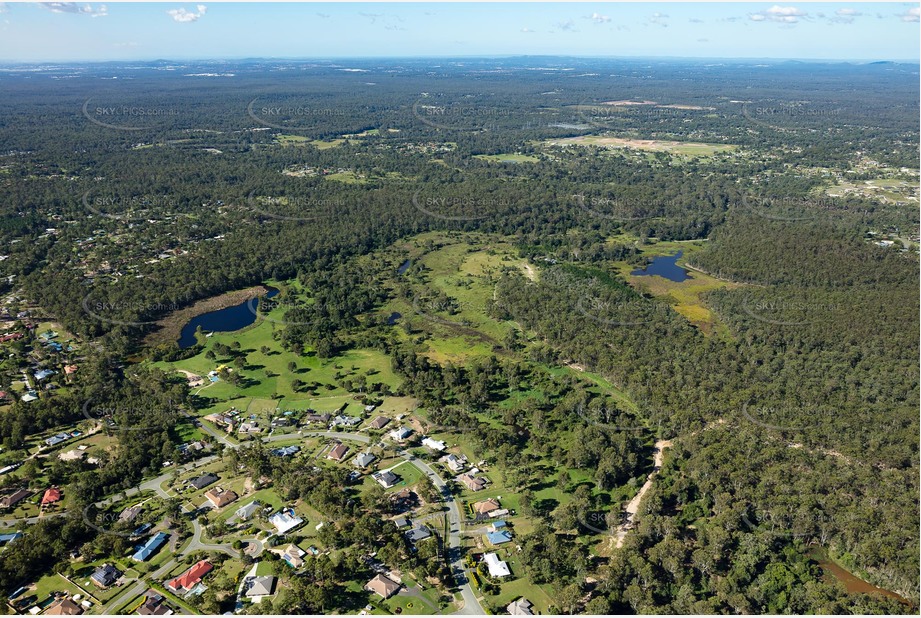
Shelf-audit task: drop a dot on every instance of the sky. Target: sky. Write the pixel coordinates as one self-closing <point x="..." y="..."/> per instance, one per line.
<point x="66" y="31"/>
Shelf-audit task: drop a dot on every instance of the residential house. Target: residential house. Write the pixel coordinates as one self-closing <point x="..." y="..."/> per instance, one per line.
<point x="105" y="576"/>
<point x="204" y="480"/>
<point x="380" y="422"/>
<point x="262" y="586"/>
<point x="364" y="460"/>
<point x="313" y="417"/>
<point x="435" y="445"/>
<point x="57" y="438"/>
<point x="14" y="498"/>
<point x="63" y="607"/>
<point x="285" y="520"/>
<point x="292" y="554"/>
<point x="497" y="568"/>
<point x="383" y="586"/>
<point x="286" y="451"/>
<point x="401" y="522"/>
<point x="418" y="534"/>
<point x="472" y="483"/>
<point x="499" y="537"/>
<point x="520" y="607"/>
<point x="188" y="580"/>
<point x="345" y="421"/>
<point x="387" y="479"/>
<point x="52" y="495"/>
<point x="485" y="506"/>
<point x="149" y="548"/>
<point x="130" y="513"/>
<point x="338" y="452"/>
<point x="9" y="537"/>
<point x="249" y="427"/>
<point x="454" y="463"/>
<point x="245" y="512"/>
<point x="220" y="497"/>
<point x="154" y="605"/>
<point x="401" y="433"/>
<point x="498" y="525"/>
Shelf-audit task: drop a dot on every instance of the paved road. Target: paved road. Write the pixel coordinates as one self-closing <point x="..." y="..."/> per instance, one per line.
<point x="454" y="550"/>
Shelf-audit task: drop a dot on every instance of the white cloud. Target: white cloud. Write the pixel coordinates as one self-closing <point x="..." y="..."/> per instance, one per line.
<point x="4" y="8"/>
<point x="842" y="16"/>
<point x="659" y="19"/>
<point x="694" y="20"/>
<point x="912" y="14"/>
<point x="779" y="14"/>
<point x="76" y="9"/>
<point x="183" y="16"/>
<point x="527" y="30"/>
<point x="567" y="26"/>
<point x="323" y="15"/>
<point x="598" y="18"/>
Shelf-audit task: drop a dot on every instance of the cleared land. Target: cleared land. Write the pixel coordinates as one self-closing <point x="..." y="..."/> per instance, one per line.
<point x="690" y="149"/>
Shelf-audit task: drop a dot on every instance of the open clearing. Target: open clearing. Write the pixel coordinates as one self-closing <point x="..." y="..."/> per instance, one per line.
<point x="691" y="149"/>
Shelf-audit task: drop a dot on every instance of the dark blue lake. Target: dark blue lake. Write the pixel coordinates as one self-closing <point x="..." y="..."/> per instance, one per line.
<point x="404" y="267"/>
<point x="222" y="320"/>
<point x="665" y="266"/>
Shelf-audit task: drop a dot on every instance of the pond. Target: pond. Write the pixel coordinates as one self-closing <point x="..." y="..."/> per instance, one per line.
<point x="404" y="267"/>
<point x="223" y="320"/>
<point x="665" y="266"/>
<point x="852" y="583"/>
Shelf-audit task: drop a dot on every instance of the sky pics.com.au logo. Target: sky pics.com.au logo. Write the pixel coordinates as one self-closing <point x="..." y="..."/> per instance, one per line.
<point x="458" y="207"/>
<point x="291" y="116"/>
<point x="129" y="208"/>
<point x="293" y="207"/>
<point x="121" y="117"/>
<point x="464" y="114"/>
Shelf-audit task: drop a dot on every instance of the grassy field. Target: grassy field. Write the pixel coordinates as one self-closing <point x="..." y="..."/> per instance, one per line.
<point x="267" y="381"/>
<point x="300" y="140"/>
<point x="687" y="149"/>
<point x="459" y="268"/>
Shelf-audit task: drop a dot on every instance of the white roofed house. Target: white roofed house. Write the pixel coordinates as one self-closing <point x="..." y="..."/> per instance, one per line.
<point x="435" y="445"/>
<point x="497" y="568"/>
<point x="401" y="433"/>
<point x="285" y="520"/>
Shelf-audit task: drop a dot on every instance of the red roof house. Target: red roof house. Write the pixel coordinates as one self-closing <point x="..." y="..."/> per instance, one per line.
<point x="190" y="578"/>
<point x="51" y="496"/>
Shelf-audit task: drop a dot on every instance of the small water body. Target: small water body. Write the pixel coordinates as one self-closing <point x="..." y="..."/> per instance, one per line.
<point x="392" y="319"/>
<point x="851" y="582"/>
<point x="665" y="266"/>
<point x="404" y="267"/>
<point x="223" y="320"/>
